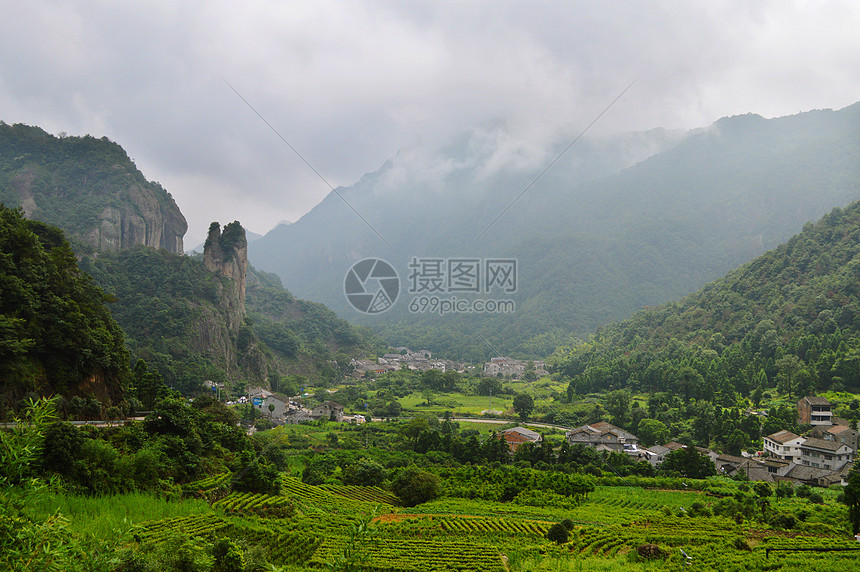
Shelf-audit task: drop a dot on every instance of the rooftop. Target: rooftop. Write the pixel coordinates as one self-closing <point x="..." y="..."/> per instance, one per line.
<point x="527" y="433"/>
<point x="822" y="444"/>
<point x="815" y="400"/>
<point x="783" y="436"/>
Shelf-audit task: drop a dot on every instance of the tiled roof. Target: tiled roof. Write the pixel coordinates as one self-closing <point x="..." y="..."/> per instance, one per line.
<point x="782" y="436"/>
<point x="816" y="400"/>
<point x="805" y="473"/>
<point x="523" y="432"/>
<point x="659" y="449"/>
<point x="822" y="444"/>
<point x="605" y="427"/>
<point x="731" y="459"/>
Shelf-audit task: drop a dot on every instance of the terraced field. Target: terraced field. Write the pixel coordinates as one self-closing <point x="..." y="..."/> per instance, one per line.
<point x="457" y="534"/>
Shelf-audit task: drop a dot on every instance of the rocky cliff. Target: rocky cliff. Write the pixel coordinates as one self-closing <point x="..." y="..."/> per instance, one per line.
<point x="90" y="188"/>
<point x="226" y="254"/>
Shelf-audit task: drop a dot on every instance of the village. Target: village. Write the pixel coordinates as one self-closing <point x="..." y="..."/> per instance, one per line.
<point x="822" y="458"/>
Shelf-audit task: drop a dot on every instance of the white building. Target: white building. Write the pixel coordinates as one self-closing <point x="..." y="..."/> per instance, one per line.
<point x="784" y="445"/>
<point x="830" y="455"/>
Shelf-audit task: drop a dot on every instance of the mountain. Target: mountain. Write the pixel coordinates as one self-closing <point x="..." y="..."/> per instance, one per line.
<point x="613" y="226"/>
<point x="57" y="336"/>
<point x="212" y="316"/>
<point x="192" y="318"/>
<point x="789" y="320"/>
<point x="88" y="187"/>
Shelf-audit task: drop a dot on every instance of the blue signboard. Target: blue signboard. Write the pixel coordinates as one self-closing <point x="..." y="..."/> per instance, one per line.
<point x="258" y="402"/>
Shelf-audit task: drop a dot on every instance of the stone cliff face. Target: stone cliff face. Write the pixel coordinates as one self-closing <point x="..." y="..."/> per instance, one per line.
<point x="142" y="220"/>
<point x="88" y="187"/>
<point x="226" y="254"/>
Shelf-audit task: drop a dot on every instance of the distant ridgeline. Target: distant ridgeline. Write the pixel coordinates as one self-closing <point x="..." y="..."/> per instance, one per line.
<point x="790" y="319"/>
<point x="88" y="187"/>
<point x="56" y="334"/>
<point x="603" y="233"/>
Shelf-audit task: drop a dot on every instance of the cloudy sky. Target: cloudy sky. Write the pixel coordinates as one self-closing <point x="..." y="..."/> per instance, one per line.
<point x="349" y="83"/>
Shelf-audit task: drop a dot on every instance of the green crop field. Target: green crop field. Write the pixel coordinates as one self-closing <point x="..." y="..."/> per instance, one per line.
<point x="459" y="534"/>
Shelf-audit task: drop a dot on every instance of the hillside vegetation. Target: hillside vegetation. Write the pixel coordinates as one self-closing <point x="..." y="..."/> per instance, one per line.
<point x="788" y="320"/>
<point x="88" y="187"/>
<point x="56" y="333"/>
<point x="172" y="311"/>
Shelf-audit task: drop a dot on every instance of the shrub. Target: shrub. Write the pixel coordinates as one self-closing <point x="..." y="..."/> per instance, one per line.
<point x="650" y="551"/>
<point x="414" y="486"/>
<point x="816" y="498"/>
<point x="228" y="556"/>
<point x="785" y="521"/>
<point x="698" y="509"/>
<point x="558" y="533"/>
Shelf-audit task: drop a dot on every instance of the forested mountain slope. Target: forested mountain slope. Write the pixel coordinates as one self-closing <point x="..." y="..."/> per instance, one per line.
<point x="176" y="316"/>
<point x="57" y="336"/>
<point x="790" y="319"/>
<point x="88" y="187"/>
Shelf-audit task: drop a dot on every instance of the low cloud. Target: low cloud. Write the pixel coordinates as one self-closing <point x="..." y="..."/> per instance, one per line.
<point x="348" y="84"/>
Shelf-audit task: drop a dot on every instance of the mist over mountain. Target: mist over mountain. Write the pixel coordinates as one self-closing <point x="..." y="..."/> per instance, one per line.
<point x="614" y="225"/>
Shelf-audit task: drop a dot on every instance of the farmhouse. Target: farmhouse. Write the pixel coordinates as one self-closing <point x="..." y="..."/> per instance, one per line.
<point x="602" y="435"/>
<point x="328" y="410"/>
<point x="814" y="410"/>
<point x="262" y="399"/>
<point x="836" y="433"/>
<point x="783" y="445"/>
<point x="820" y="453"/>
<point x="656" y="454"/>
<point x="519" y="435"/>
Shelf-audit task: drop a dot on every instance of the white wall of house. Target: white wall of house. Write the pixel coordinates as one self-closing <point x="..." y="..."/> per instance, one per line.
<point x="788" y="451"/>
<point x="825" y="459"/>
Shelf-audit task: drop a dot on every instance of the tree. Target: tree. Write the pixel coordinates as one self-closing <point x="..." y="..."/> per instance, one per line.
<point x="62" y="448"/>
<point x="524" y="405"/>
<point x="414" y="486"/>
<point x="790" y="369"/>
<point x="529" y="372"/>
<point x="690" y="463"/>
<point x="652" y="432"/>
<point x="618" y="404"/>
<point x="852" y="497"/>
<point x="366" y="473"/>
<point x="489" y="386"/>
<point x="558" y="533"/>
<point x="762" y="489"/>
